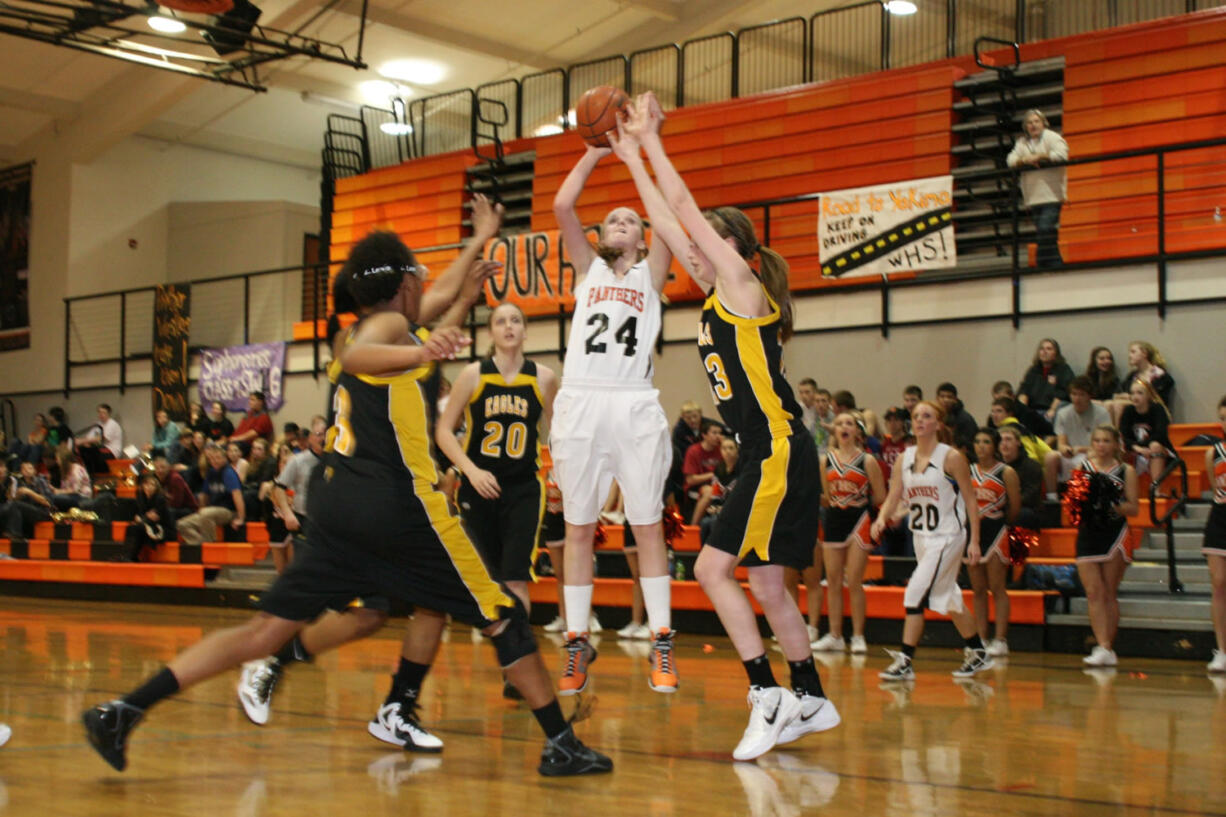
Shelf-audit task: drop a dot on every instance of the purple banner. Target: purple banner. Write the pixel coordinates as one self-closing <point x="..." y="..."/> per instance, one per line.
<point x="232" y="373"/>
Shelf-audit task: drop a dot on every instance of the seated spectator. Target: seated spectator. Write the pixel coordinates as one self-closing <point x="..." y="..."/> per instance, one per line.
<point x="197" y="419"/>
<point x="700" y="462"/>
<point x="957" y="418"/>
<point x="59" y="433"/>
<point x="30" y="500"/>
<point x="1075" y="424"/>
<point x="845" y="401"/>
<point x="895" y="441"/>
<point x="18" y="515"/>
<point x="1044" y="387"/>
<point x="191" y="446"/>
<point x="165" y="435"/>
<point x="102" y="441"/>
<point x="294" y="480"/>
<point x="291" y="433"/>
<point x="806" y="393"/>
<point x="1143" y="430"/>
<point x="1002" y="415"/>
<point x="76" y="488"/>
<point x="1029" y="474"/>
<point x="154" y="523"/>
<point x="1147" y="365"/>
<point x="256" y="423"/>
<point x="1036" y="421"/>
<point x="221" y="501"/>
<point x="261" y="468"/>
<point x="219" y="426"/>
<point x="911" y="396"/>
<point x="31" y="449"/>
<point x="688" y="429"/>
<point x="234" y="455"/>
<point x="180" y="499"/>
<point x="1102" y="374"/>
<point x="711" y="499"/>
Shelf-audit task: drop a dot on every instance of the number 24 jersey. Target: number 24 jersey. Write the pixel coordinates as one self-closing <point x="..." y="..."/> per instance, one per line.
<point x="613" y="334"/>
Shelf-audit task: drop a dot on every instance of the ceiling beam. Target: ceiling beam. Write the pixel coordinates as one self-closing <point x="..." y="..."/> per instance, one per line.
<point x="30" y="102"/>
<point x="663" y="9"/>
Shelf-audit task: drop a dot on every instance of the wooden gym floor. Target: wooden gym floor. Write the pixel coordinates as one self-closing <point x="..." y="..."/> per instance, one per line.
<point x="1035" y="737"/>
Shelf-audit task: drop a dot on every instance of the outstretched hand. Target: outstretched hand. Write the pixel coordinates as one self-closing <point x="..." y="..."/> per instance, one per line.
<point x="487" y="218"/>
<point x="478" y="273"/>
<point x="445" y="342"/>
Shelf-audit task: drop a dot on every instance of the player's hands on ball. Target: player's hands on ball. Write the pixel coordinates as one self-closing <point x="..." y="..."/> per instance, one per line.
<point x="445" y="342"/>
<point x="487" y="218"/>
<point x="484" y="482"/>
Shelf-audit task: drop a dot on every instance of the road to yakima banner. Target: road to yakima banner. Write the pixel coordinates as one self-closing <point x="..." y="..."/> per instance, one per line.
<point x="233" y="372"/>
<point x="900" y="227"/>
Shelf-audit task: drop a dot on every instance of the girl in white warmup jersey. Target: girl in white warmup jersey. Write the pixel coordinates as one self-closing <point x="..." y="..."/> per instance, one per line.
<point x="607" y="421"/>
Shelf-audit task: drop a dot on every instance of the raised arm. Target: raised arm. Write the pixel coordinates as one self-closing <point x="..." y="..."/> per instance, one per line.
<point x="487" y="221"/>
<point x="573" y="238"/>
<point x="471" y="288"/>
<point x="379" y="346"/>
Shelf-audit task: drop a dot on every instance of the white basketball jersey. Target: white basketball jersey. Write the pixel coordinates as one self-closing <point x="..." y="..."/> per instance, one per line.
<point x="613" y="331"/>
<point x="934" y="507"/>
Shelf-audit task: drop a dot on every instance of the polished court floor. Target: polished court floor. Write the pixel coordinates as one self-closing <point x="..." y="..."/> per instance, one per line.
<point x="1037" y="736"/>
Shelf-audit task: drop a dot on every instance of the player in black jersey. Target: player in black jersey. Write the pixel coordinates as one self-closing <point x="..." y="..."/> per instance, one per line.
<point x="505" y="402"/>
<point x="769" y="519"/>
<point x="380" y="528"/>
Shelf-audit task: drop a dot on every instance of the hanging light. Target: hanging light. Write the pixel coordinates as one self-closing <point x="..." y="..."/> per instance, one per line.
<point x="166" y="25"/>
<point x="901" y="7"/>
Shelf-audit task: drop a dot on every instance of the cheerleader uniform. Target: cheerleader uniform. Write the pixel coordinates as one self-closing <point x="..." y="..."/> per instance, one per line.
<point x="1101" y="532"/>
<point x="847" y="518"/>
<point x="1215" y="529"/>
<point x="991" y="498"/>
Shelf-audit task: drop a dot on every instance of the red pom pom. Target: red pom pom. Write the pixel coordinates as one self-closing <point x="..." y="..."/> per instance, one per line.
<point x="1075" y="496"/>
<point x="1021" y="540"/>
<point x="674" y="525"/>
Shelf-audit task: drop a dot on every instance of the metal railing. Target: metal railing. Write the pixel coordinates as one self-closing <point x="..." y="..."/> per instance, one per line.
<point x="1167" y="520"/>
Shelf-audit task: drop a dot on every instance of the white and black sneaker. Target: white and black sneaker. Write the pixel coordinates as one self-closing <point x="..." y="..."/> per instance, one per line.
<point x="771" y="710"/>
<point x="565" y="755"/>
<point x="900" y="669"/>
<point x="255" y="688"/>
<point x="5" y="733"/>
<point x="974" y="660"/>
<point x="816" y="715"/>
<point x="396" y="723"/>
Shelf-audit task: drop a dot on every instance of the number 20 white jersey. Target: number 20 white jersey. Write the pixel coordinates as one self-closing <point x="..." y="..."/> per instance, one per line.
<point x="613" y="331"/>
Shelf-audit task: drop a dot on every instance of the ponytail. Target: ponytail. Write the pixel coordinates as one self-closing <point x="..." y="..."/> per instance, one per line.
<point x="729" y="222"/>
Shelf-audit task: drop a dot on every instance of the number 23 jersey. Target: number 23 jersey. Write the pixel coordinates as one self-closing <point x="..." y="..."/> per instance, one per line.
<point x="613" y="334"/>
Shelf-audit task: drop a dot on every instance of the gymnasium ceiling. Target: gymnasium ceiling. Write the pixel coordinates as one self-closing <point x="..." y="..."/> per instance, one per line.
<point x="97" y="101"/>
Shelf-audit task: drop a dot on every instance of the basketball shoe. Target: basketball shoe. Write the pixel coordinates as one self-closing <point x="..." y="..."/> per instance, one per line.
<point x="255" y="688"/>
<point x="900" y="669"/>
<point x="771" y="709"/>
<point x="579" y="654"/>
<point x="815" y="715"/>
<point x="396" y="723"/>
<point x="973" y="661"/>
<point x="107" y="726"/>
<point x="565" y="755"/>
<point x="663" y="676"/>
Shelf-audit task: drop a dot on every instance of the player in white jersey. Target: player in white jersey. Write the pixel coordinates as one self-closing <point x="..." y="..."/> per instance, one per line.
<point x="934" y="481"/>
<point x="607" y="421"/>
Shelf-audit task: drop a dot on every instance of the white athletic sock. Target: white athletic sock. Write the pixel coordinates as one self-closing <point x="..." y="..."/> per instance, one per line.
<point x="578" y="606"/>
<point x="657" y="598"/>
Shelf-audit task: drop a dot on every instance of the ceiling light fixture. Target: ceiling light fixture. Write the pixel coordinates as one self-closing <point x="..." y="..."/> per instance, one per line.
<point x="166" y="25"/>
<point x="901" y="8"/>
<point x="396" y="128"/>
<point x="416" y="71"/>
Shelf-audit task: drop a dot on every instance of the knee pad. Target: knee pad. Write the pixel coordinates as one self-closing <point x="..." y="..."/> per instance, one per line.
<point x="515" y="640"/>
<point x="914" y="611"/>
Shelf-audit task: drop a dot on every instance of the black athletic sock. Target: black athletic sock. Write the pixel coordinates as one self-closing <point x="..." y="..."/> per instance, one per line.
<point x="974" y="642"/>
<point x="293" y="651"/>
<point x="908" y="651"/>
<point x="550" y="717"/>
<point x="759" y="672"/>
<point x="805" y="679"/>
<point x="160" y="686"/>
<point x="406" y="683"/>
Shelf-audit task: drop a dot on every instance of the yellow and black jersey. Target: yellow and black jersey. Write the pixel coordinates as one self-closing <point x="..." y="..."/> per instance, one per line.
<point x="386" y="421"/>
<point x="743" y="358"/>
<point x="502" y="422"/>
<point x="431" y="383"/>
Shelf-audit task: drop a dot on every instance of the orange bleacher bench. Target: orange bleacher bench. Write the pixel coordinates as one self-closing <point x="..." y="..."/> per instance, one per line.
<point x="40" y="570"/>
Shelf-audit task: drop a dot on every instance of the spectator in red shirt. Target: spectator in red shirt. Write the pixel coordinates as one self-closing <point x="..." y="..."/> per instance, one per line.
<point x="895" y="441"/>
<point x="256" y="423"/>
<point x="701" y="460"/>
<point x="180" y="500"/>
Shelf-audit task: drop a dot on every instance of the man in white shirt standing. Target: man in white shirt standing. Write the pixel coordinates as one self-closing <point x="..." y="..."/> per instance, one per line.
<point x="1044" y="189"/>
<point x="101" y="442"/>
<point x="1075" y="424"/>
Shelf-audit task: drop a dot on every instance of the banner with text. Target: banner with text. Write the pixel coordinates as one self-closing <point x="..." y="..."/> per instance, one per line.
<point x="15" y="257"/>
<point x="232" y="373"/>
<point x="172" y="324"/>
<point x="887" y="228"/>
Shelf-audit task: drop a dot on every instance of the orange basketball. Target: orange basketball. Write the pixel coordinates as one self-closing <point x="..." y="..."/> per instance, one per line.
<point x="596" y="113"/>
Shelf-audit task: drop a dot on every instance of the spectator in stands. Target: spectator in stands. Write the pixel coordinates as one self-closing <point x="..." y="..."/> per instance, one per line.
<point x="845" y="401"/>
<point x="295" y="479"/>
<point x="1075" y="424"/>
<point x="1143" y="429"/>
<point x="1145" y="363"/>
<point x="234" y="455"/>
<point x="688" y="429"/>
<point x="262" y="467"/>
<point x="1044" y="387"/>
<point x="701" y="460"/>
<point x="154" y="522"/>
<point x="221" y="501"/>
<point x="1102" y="374"/>
<point x="165" y="435"/>
<point x="31" y="449"/>
<point x="806" y="393"/>
<point x="825" y="420"/>
<point x="180" y="499"/>
<point x="33" y="497"/>
<point x="911" y="396"/>
<point x="102" y="441"/>
<point x="1002" y="415"/>
<point x="16" y="515"/>
<point x="1029" y="474"/>
<point x="1035" y="421"/>
<point x="76" y="488"/>
<point x="711" y="500"/>
<point x="1044" y="188"/>
<point x="256" y="423"/>
<point x="895" y="441"/>
<point x="191" y="446"/>
<point x="59" y="432"/>
<point x="219" y="426"/>
<point x="291" y="433"/>
<point x="197" y="419"/>
<point x="958" y="419"/>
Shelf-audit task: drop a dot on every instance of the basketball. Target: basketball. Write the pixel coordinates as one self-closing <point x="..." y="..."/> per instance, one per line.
<point x="596" y="113"/>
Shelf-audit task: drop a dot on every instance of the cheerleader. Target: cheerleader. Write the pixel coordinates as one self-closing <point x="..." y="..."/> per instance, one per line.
<point x="1102" y="538"/>
<point x="1214" y="546"/>
<point x="998" y="493"/>
<point x="935" y="482"/>
<point x="851" y="480"/>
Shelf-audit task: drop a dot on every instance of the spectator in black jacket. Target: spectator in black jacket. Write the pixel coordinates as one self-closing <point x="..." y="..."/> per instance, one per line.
<point x="1029" y="473"/>
<point x="153" y="524"/>
<point x="1102" y="374"/>
<point x="1036" y="422"/>
<point x="957" y="418"/>
<point x="1145" y="364"/>
<point x="1143" y="427"/>
<point x="1044" y="387"/>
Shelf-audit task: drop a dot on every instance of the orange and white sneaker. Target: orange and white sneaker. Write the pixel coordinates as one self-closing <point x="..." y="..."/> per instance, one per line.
<point x="579" y="654"/>
<point x="663" y="676"/>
